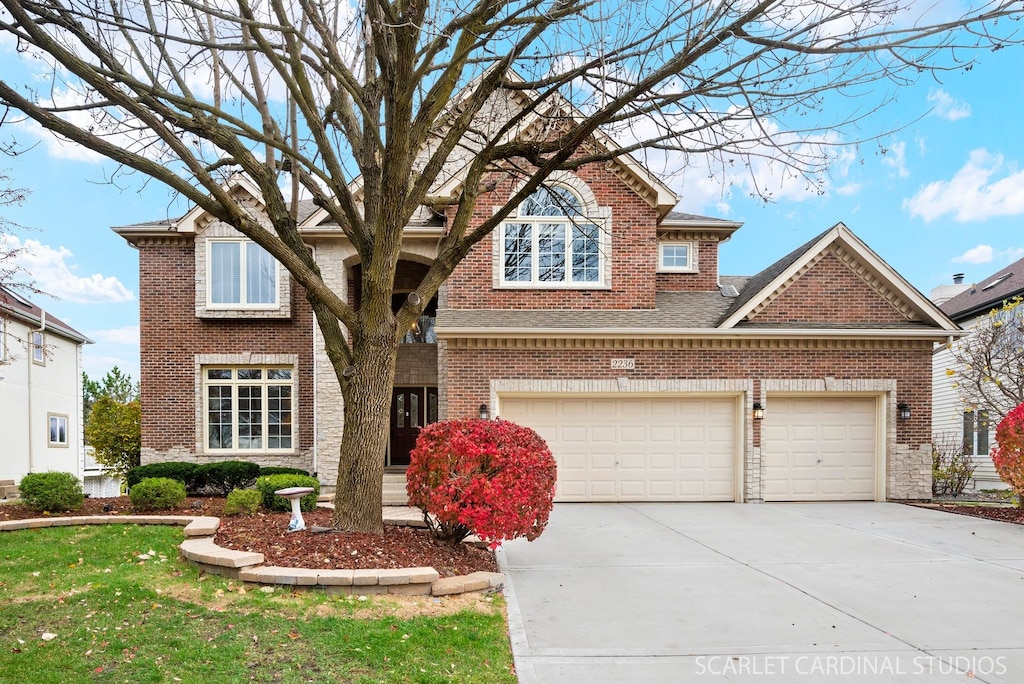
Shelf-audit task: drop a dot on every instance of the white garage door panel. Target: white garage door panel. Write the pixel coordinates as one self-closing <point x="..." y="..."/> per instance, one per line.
<point x="819" y="449"/>
<point x="635" y="448"/>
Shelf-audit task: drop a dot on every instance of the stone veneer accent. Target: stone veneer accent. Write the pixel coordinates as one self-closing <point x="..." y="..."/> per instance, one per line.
<point x="218" y="229"/>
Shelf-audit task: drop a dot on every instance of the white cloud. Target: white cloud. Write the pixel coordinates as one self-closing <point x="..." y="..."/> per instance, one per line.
<point x="972" y="194"/>
<point x="128" y="335"/>
<point x="985" y="254"/>
<point x="848" y="189"/>
<point x="895" y="157"/>
<point x="52" y="271"/>
<point x="945" y="105"/>
<point x="982" y="254"/>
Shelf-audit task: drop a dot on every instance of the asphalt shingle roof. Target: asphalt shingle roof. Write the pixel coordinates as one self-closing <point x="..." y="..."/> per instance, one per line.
<point x="988" y="294"/>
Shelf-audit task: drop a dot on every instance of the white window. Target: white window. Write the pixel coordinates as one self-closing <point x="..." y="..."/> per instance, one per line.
<point x="976" y="428"/>
<point x="248" y="408"/>
<point x="551" y="242"/>
<point x="58" y="430"/>
<point x="676" y="257"/>
<point x="38" y="347"/>
<point x="240" y="273"/>
<point x="3" y="340"/>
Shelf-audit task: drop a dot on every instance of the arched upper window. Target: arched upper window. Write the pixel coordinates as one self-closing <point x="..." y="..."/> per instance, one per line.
<point x="551" y="241"/>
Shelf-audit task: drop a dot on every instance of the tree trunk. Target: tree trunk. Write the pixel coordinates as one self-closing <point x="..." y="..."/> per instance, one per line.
<point x="367" y="395"/>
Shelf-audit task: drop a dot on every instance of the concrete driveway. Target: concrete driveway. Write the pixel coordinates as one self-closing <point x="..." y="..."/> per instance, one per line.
<point x="852" y="592"/>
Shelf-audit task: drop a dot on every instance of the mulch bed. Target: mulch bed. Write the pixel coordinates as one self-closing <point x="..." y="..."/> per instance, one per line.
<point x="1010" y="514"/>
<point x="398" y="547"/>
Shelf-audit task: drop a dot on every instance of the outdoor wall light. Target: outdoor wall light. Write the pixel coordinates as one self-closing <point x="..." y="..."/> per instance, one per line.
<point x="903" y="411"/>
<point x="485" y="413"/>
<point x="758" y="411"/>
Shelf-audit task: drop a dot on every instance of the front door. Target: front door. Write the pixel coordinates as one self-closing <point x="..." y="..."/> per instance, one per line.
<point x="411" y="409"/>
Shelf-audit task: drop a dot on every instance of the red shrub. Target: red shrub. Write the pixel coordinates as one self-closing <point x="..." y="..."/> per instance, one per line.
<point x="1008" y="455"/>
<point x="491" y="478"/>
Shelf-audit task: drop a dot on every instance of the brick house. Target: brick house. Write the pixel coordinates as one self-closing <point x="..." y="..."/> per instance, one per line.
<point x="596" y="315"/>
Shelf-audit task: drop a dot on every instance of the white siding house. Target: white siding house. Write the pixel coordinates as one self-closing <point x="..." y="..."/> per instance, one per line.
<point x="40" y="392"/>
<point x="968" y="305"/>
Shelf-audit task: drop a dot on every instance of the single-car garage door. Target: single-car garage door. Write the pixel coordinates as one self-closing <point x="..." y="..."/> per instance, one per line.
<point x="819" y="448"/>
<point x="635" y="448"/>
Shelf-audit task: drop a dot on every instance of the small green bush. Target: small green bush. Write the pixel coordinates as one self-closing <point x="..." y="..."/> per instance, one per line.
<point x="181" y="471"/>
<point x="281" y="470"/>
<point x="267" y="485"/>
<point x="224" y="476"/>
<point x="157" y="494"/>
<point x="242" y="502"/>
<point x="52" y="491"/>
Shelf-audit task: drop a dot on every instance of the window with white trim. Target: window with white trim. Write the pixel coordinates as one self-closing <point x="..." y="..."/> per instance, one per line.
<point x="676" y="257"/>
<point x="551" y="242"/>
<point x="57" y="427"/>
<point x="976" y="431"/>
<point x="240" y="274"/>
<point x="248" y="408"/>
<point x="38" y="347"/>
<point x="3" y="340"/>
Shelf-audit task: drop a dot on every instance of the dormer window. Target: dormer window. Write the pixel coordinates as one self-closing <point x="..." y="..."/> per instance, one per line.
<point x="677" y="257"/>
<point x="241" y="275"/>
<point x="552" y="242"/>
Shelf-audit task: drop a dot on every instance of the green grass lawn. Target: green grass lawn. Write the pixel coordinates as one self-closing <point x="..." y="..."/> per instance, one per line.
<point x="114" y="603"/>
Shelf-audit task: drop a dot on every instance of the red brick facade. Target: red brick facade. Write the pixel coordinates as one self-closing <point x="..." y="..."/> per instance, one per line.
<point x="172" y="336"/>
<point x="470" y="370"/>
<point x="830" y="292"/>
<point x="633" y="254"/>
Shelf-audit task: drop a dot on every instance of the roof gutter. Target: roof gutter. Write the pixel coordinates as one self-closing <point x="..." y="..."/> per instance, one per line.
<point x="696" y="333"/>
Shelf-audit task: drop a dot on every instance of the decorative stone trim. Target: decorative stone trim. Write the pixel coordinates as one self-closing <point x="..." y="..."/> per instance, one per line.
<point x="873" y="281"/>
<point x="200" y="550"/>
<point x="540" y="339"/>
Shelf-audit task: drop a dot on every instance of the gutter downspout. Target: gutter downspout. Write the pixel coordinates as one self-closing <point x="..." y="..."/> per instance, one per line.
<point x="31" y="362"/>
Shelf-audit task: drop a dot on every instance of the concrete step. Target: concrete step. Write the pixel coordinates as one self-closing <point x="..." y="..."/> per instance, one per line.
<point x="393" y="494"/>
<point x="394" y="490"/>
<point x="8" y="490"/>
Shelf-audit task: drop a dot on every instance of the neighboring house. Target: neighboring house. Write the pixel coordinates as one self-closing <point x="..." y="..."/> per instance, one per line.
<point x="41" y="394"/>
<point x="952" y="418"/>
<point x="595" y="314"/>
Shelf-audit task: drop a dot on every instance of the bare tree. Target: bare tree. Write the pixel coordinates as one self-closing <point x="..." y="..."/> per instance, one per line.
<point x="9" y="196"/>
<point x="369" y="108"/>
<point x="990" y="362"/>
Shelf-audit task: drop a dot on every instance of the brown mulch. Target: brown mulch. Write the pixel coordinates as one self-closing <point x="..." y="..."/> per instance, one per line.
<point x="398" y="547"/>
<point x="1010" y="514"/>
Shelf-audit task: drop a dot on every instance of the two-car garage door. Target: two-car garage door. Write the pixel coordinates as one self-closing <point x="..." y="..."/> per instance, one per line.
<point x="636" y="448"/>
<point x="688" y="448"/>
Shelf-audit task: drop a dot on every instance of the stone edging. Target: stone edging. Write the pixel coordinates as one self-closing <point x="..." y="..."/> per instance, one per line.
<point x="200" y="550"/>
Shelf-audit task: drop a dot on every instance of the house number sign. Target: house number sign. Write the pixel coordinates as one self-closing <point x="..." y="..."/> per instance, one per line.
<point x="623" y="364"/>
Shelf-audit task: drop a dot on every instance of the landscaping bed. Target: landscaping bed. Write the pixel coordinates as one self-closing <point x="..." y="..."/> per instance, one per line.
<point x="265" y="532"/>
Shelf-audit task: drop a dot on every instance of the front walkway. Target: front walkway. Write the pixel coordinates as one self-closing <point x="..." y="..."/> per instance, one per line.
<point x="859" y="592"/>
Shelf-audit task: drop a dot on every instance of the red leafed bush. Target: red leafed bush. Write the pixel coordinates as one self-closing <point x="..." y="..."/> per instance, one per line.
<point x="491" y="478"/>
<point x="1008" y="454"/>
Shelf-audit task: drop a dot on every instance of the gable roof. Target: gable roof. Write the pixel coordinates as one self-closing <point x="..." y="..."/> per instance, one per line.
<point x="722" y="314"/>
<point x="763" y="287"/>
<point x="990" y="293"/>
<point x="17" y="307"/>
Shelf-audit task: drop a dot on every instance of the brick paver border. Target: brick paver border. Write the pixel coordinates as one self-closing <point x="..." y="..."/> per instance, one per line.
<point x="200" y="550"/>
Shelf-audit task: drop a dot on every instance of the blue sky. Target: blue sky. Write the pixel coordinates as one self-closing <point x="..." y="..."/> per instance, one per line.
<point x="946" y="196"/>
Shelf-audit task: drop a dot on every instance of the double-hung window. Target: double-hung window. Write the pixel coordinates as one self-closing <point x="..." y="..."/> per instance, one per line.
<point x="249" y="408"/>
<point x="241" y="274"/>
<point x="551" y="242"/>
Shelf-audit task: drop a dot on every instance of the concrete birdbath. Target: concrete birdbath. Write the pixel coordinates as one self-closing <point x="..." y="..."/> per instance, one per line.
<point x="295" y="494"/>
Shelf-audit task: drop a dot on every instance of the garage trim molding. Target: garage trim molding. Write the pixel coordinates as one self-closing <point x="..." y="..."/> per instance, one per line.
<point x="884" y="391"/>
